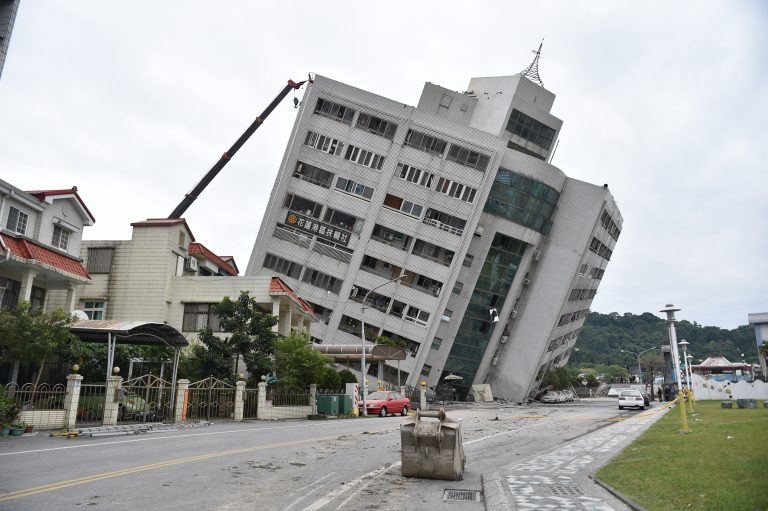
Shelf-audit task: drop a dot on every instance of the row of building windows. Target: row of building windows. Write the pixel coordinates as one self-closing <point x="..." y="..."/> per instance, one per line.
<point x="312" y="174"/>
<point x="354" y="188"/>
<point x="408" y="278"/>
<point x="570" y="317"/>
<point x="600" y="249"/>
<point x="530" y="129"/>
<point x="436" y="146"/>
<point x="563" y="339"/>
<point x="323" y="143"/>
<point x="363" y="157"/>
<point x="522" y="200"/>
<point x="334" y="111"/>
<point x="456" y="190"/>
<point x="310" y="276"/>
<point x="345" y="114"/>
<point x="415" y="175"/>
<point x="332" y="216"/>
<point x="468" y="157"/>
<point x="581" y="294"/>
<point x="591" y="272"/>
<point x="610" y="226"/>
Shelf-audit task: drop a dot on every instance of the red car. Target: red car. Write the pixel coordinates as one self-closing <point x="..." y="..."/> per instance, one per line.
<point x="385" y="403"/>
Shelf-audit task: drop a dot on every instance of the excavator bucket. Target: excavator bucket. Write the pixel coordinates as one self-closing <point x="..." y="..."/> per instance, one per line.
<point x="432" y="449"/>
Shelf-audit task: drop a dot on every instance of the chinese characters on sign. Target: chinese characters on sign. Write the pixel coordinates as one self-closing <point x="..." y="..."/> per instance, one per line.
<point x="312" y="226"/>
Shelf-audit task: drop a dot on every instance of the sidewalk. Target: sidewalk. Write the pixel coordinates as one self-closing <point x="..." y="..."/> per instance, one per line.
<point x="560" y="478"/>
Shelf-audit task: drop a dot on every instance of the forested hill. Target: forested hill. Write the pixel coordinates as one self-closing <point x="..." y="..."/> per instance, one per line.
<point x="604" y="336"/>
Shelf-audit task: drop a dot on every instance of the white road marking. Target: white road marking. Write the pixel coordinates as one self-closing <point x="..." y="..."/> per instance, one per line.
<point x="307" y="493"/>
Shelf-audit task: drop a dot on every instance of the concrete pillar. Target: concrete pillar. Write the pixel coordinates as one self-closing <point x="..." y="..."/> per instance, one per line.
<point x="112" y="400"/>
<point x="276" y="312"/>
<point x="71" y="300"/>
<point x="313" y="397"/>
<point x="72" y="399"/>
<point x="26" y="286"/>
<point x="180" y="407"/>
<point x="423" y="398"/>
<point x="239" y="400"/>
<point x="261" y="401"/>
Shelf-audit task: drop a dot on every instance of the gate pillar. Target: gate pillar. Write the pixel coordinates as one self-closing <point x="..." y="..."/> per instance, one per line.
<point x="239" y="400"/>
<point x="313" y="397"/>
<point x="72" y="399"/>
<point x="180" y="407"/>
<point x="261" y="407"/>
<point x="112" y="400"/>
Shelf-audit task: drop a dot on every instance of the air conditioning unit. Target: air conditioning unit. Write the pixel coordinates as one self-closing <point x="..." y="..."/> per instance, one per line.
<point x="537" y="255"/>
<point x="389" y="236"/>
<point x="504" y="339"/>
<point x="494" y="361"/>
<point x="190" y="264"/>
<point x="513" y="315"/>
<point x="526" y="282"/>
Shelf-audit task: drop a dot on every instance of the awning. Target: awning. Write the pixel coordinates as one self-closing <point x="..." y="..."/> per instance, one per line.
<point x="143" y="333"/>
<point x="349" y="352"/>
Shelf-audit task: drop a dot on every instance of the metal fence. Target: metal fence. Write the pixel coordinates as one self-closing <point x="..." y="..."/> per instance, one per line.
<point x="286" y="403"/>
<point x="209" y="399"/>
<point x="145" y="399"/>
<point x="250" y="404"/>
<point x="40" y="406"/>
<point x="90" y="406"/>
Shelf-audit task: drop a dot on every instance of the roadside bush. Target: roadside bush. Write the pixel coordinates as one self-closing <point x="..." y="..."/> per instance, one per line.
<point x="329" y="380"/>
<point x="347" y="376"/>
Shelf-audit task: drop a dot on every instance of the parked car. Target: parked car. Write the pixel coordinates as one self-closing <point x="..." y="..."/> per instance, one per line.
<point x="568" y="395"/>
<point x="384" y="403"/>
<point x="553" y="396"/>
<point x="631" y="399"/>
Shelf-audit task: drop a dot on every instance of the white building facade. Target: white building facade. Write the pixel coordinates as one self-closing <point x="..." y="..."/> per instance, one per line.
<point x="500" y="253"/>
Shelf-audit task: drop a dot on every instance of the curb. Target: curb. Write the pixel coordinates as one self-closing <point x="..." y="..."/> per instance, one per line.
<point x="495" y="496"/>
<point x="634" y="506"/>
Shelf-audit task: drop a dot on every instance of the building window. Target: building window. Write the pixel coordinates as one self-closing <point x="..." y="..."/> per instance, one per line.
<point x="416" y="315"/>
<point x="17" y="221"/>
<point x="60" y="237"/>
<point x="468" y="259"/>
<point x="322" y="280"/>
<point x="426" y="369"/>
<point x="414" y="175"/>
<point x="281" y="265"/>
<point x="363" y="157"/>
<point x="454" y="189"/>
<point x="10" y="292"/>
<point x="447" y="315"/>
<point x="530" y="129"/>
<point x="402" y="205"/>
<point x="322" y="313"/>
<point x="94" y="310"/>
<point x="334" y="111"/>
<point x="37" y="298"/>
<point x="436" y="343"/>
<point x="376" y="125"/>
<point x="426" y="143"/>
<point x="313" y="174"/>
<point x="198" y="315"/>
<point x="100" y="260"/>
<point x="343" y="220"/>
<point x="610" y="226"/>
<point x="302" y="205"/>
<point x="322" y="143"/>
<point x="445" y="222"/>
<point x="457" y="287"/>
<point x="600" y="249"/>
<point x="467" y="157"/>
<point x="522" y="200"/>
<point x="349" y="186"/>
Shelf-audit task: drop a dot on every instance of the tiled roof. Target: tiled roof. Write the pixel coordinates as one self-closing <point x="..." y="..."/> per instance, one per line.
<point x="42" y="194"/>
<point x="164" y="222"/>
<point x="27" y="249"/>
<point x="277" y="286"/>
<point x="199" y="248"/>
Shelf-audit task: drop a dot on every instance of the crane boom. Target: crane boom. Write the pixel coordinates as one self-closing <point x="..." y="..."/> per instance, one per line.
<point x="208" y="177"/>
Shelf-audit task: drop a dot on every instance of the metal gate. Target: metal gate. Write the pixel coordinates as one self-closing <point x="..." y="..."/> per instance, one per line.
<point x="209" y="399"/>
<point x="145" y="399"/>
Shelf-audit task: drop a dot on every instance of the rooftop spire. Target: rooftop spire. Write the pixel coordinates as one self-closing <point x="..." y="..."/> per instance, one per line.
<point x="532" y="72"/>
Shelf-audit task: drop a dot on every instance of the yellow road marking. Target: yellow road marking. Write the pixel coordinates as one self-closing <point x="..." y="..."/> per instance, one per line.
<point x="142" y="468"/>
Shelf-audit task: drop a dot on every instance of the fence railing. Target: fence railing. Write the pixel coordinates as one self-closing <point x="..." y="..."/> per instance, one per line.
<point x="40" y="406"/>
<point x="90" y="406"/>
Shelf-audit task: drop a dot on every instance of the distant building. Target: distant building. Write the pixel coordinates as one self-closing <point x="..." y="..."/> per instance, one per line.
<point x="500" y="253"/>
<point x="163" y="274"/>
<point x="720" y="369"/>
<point x="8" y="10"/>
<point x="759" y="321"/>
<point x="40" y="237"/>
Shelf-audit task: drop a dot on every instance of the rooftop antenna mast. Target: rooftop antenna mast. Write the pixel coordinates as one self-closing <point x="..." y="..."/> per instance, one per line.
<point x="532" y="72"/>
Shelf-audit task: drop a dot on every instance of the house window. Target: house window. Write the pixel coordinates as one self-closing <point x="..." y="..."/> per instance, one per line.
<point x="198" y="315"/>
<point x="60" y="237"/>
<point x="376" y="125"/>
<point x="17" y="221"/>
<point x="363" y="157"/>
<point x="100" y="260"/>
<point x="94" y="310"/>
<point x="349" y="186"/>
<point x="402" y="205"/>
<point x="37" y="298"/>
<point x="414" y="175"/>
<point x="334" y="111"/>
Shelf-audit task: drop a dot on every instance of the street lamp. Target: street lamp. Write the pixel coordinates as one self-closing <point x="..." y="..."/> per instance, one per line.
<point x="639" y="369"/>
<point x="684" y="344"/>
<point x="362" y="339"/>
<point x="670" y="311"/>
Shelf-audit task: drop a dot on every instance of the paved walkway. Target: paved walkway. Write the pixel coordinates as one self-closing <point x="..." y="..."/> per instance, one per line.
<point x="559" y="478"/>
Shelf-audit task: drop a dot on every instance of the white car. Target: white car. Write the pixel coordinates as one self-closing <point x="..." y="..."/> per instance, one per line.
<point x="631" y="399"/>
<point x="552" y="396"/>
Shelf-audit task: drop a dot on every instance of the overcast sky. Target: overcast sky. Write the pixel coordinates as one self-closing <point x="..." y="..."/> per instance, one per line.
<point x="666" y="102"/>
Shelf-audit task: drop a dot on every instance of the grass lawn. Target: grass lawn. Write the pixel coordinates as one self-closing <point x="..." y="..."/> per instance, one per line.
<point x="721" y="465"/>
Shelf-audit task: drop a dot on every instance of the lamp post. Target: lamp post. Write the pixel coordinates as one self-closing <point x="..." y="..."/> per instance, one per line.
<point x="689" y="359"/>
<point x="684" y="344"/>
<point x="362" y="340"/>
<point x="670" y="311"/>
<point x="639" y="369"/>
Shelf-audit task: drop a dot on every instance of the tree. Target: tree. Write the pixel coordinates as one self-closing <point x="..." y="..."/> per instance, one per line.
<point x="296" y="363"/>
<point x="389" y="341"/>
<point x="30" y="336"/>
<point x="347" y="376"/>
<point x="559" y="378"/>
<point x="212" y="357"/>
<point x="252" y="337"/>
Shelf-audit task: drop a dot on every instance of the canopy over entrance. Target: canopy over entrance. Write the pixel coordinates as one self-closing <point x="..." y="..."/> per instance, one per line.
<point x="143" y="333"/>
<point x="351" y="352"/>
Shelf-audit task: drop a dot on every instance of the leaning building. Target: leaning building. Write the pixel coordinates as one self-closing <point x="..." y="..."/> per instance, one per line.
<point x="472" y="249"/>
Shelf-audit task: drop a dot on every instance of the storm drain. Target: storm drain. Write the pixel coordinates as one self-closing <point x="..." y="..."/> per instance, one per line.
<point x="564" y="490"/>
<point x="461" y="496"/>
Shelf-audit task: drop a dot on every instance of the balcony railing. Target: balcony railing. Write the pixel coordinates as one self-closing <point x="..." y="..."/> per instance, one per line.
<point x="443" y="227"/>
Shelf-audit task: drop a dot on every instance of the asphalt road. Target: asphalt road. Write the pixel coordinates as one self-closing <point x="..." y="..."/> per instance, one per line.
<point x="298" y="465"/>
